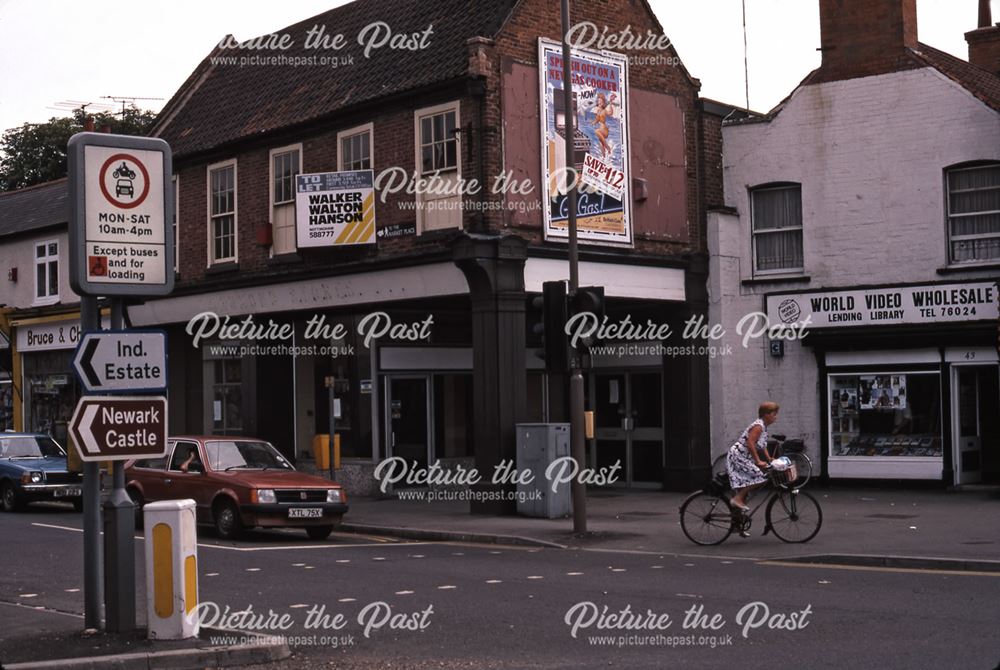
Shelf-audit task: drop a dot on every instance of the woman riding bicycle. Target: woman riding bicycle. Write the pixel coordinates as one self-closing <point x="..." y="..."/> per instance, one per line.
<point x="748" y="458"/>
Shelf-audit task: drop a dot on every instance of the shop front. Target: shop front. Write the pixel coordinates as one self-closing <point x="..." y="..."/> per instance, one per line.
<point x="908" y="379"/>
<point x="43" y="370"/>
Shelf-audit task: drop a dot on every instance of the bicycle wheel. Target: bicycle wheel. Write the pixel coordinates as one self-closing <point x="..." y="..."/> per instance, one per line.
<point x="706" y="519"/>
<point x="794" y="516"/>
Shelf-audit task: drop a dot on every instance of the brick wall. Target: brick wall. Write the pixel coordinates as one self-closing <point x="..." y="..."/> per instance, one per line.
<point x="861" y="38"/>
<point x="481" y="132"/>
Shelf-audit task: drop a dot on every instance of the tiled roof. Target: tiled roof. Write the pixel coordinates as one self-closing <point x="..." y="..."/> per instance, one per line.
<point x="34" y="207"/>
<point x="222" y="103"/>
<point x="981" y="83"/>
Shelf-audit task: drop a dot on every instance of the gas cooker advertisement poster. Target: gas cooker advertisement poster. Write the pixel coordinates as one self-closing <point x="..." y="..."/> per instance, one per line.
<point x="600" y="144"/>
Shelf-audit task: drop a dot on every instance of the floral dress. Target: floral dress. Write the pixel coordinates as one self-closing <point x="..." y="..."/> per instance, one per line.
<point x="740" y="464"/>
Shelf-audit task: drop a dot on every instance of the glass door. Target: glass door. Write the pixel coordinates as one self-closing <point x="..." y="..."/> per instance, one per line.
<point x="629" y="425"/>
<point x="408" y="424"/>
<point x="974" y="389"/>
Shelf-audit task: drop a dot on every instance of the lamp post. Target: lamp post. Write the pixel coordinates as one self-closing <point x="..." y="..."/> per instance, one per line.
<point x="577" y="425"/>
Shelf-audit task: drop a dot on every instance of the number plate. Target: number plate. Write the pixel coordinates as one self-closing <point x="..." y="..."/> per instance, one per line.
<point x="305" y="513"/>
<point x="66" y="493"/>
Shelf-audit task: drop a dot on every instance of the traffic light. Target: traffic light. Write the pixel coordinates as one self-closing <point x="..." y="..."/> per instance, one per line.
<point x="589" y="299"/>
<point x="552" y="326"/>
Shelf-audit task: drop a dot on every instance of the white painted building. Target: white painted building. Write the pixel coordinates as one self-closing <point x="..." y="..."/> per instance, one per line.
<point x="874" y="187"/>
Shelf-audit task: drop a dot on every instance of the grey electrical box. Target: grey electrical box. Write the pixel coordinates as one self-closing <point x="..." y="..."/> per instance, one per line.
<point x="538" y="445"/>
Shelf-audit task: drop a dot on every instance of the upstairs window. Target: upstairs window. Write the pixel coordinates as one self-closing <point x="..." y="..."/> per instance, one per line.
<point x="777" y="228"/>
<point x="438" y="145"/>
<point x="284" y="166"/>
<point x="974" y="214"/>
<point x="355" y="148"/>
<point x="222" y="212"/>
<point x="46" y="272"/>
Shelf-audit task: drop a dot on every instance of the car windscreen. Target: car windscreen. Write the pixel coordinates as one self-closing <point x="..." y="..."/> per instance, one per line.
<point x="226" y="454"/>
<point x="29" y="446"/>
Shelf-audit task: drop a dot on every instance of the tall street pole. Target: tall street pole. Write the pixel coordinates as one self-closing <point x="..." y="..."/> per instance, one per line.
<point x="576" y="400"/>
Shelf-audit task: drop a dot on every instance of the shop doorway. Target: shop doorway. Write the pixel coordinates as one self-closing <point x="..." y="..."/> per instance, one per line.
<point x="976" y="424"/>
<point x="629" y="425"/>
<point x="408" y="418"/>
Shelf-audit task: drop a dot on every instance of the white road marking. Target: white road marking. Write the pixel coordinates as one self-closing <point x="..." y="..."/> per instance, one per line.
<point x="495" y="553"/>
<point x="72" y="590"/>
<point x="27" y="595"/>
<point x="573" y="574"/>
<point x="494" y="581"/>
<point x="536" y="577"/>
<point x="457" y="553"/>
<point x="447" y="588"/>
<point x="656" y="567"/>
<point x="346" y="600"/>
<point x="253" y="569"/>
<point x="309" y="567"/>
<point x="277" y="548"/>
<point x="297" y="607"/>
<point x="297" y="565"/>
<point x="343" y="560"/>
<point x="617" y="569"/>
<point x="211" y="574"/>
<point x="404" y="593"/>
<point x="689" y="565"/>
<point x="378" y="558"/>
<point x="417" y="556"/>
<point x="688" y="595"/>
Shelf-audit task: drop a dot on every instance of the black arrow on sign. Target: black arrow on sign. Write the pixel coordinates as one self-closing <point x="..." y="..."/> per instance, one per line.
<point x="85" y="362"/>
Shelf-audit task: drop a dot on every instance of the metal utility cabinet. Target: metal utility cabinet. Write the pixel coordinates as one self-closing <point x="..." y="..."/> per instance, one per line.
<point x="538" y="445"/>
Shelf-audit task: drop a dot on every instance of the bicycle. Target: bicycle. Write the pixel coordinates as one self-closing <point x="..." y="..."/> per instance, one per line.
<point x="795" y="516"/>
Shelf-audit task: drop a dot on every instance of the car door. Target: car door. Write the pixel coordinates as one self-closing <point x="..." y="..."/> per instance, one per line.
<point x="194" y="483"/>
<point x="149" y="474"/>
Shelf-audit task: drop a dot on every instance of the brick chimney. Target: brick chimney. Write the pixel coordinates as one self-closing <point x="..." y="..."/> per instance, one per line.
<point x="984" y="41"/>
<point x="861" y="38"/>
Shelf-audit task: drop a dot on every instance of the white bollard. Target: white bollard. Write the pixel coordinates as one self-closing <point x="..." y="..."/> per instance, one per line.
<point x="171" y="569"/>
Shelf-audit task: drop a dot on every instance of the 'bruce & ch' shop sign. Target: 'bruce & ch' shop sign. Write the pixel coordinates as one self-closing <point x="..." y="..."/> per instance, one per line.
<point x="887" y="305"/>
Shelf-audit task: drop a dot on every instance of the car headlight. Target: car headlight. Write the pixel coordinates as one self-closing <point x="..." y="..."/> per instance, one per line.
<point x="31" y="477"/>
<point x="266" y="496"/>
<point x="333" y="495"/>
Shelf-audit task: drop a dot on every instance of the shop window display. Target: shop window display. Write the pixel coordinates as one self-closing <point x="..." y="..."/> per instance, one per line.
<point x="890" y="414"/>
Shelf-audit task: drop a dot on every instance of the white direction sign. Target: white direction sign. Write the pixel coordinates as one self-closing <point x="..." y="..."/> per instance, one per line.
<point x="119" y="428"/>
<point x="122" y="361"/>
<point x="121" y="225"/>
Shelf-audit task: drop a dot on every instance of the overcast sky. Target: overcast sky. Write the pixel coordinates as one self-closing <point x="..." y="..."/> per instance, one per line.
<point x="53" y="51"/>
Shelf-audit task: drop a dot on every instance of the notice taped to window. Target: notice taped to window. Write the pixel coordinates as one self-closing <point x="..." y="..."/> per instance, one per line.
<point x="335" y="209"/>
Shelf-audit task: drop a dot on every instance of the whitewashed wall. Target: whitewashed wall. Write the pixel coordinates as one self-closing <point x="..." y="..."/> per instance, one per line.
<point x="870" y="155"/>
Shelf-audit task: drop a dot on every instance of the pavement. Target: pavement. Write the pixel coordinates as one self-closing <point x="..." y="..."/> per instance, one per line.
<point x="944" y="528"/>
<point x="893" y="527"/>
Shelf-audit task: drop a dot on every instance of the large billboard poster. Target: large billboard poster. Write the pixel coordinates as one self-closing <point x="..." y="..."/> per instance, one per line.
<point x="600" y="144"/>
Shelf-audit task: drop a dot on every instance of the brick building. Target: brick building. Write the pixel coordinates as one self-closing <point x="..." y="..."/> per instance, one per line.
<point x="464" y="104"/>
<point x="866" y="204"/>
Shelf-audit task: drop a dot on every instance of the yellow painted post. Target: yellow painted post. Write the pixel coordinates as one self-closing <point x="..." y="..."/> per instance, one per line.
<point x="171" y="569"/>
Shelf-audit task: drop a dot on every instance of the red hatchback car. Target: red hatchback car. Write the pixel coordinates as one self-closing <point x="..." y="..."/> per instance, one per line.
<point x="238" y="483"/>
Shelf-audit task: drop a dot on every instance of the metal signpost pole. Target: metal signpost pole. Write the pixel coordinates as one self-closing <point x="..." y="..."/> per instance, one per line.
<point x="577" y="422"/>
<point x="92" y="564"/>
<point x="331" y="384"/>
<point x="121" y="206"/>
<point x="119" y="536"/>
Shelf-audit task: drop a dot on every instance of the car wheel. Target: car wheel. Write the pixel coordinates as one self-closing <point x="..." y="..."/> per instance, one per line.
<point x="318" y="532"/>
<point x="226" y="516"/>
<point x="8" y="499"/>
<point x="137" y="500"/>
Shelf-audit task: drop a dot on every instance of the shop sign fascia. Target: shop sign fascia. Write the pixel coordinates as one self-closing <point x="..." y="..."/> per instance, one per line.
<point x="921" y="304"/>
